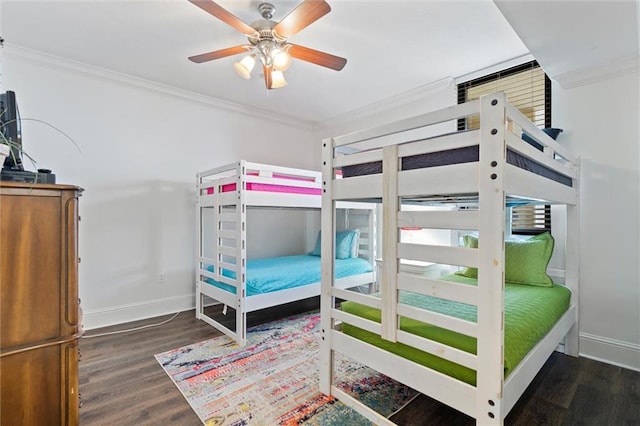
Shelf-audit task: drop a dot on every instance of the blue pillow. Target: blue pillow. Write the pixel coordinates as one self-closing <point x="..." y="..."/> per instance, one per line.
<point x="347" y="243"/>
<point x="551" y="131"/>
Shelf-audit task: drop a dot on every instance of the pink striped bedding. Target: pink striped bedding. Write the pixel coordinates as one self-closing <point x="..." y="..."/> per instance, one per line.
<point x="265" y="187"/>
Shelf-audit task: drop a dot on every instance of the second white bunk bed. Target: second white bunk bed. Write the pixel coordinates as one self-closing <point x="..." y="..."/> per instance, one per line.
<point x="384" y="331"/>
<point x="224" y="274"/>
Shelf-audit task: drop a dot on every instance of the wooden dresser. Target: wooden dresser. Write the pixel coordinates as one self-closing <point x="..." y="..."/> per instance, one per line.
<point x="39" y="315"/>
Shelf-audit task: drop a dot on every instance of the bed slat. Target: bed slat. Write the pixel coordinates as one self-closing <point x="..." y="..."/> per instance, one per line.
<point x="448" y="255"/>
<point x="529" y="127"/>
<point x="363" y="299"/>
<point x="519" y="145"/>
<point x="442" y="143"/>
<point x="358" y="187"/>
<point x="227" y="198"/>
<point x="207" y="200"/>
<point x="206" y="273"/>
<point x="358" y="158"/>
<point x="287" y="171"/>
<point x="365" y="324"/>
<point x="227" y="234"/>
<point x="447" y="219"/>
<point x="529" y="185"/>
<point x="437" y="288"/>
<point x="438" y="349"/>
<point x="227" y="251"/>
<point x="227" y="265"/>
<point x="445" y="321"/>
<point x="228" y="217"/>
<point x="220" y="295"/>
<point x="227" y="280"/>
<point x="411" y="182"/>
<point x="422" y="120"/>
<point x="206" y="260"/>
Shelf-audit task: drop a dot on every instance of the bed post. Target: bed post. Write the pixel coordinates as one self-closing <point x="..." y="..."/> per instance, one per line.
<point x="389" y="287"/>
<point x="198" y="246"/>
<point x="491" y="208"/>
<point x="327" y="226"/>
<point x="372" y="246"/>
<point x="572" y="267"/>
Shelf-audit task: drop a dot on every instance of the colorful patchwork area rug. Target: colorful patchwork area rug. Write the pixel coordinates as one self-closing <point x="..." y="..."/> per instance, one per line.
<point x="273" y="380"/>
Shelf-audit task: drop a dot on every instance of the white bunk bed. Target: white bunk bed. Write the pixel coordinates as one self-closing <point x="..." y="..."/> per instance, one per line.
<point x="488" y="183"/>
<point x="223" y="197"/>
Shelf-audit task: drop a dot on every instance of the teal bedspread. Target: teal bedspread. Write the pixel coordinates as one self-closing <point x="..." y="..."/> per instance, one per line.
<point x="530" y="312"/>
<point x="280" y="273"/>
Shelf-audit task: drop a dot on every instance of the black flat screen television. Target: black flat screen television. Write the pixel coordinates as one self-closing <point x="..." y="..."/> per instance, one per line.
<point x="10" y="128"/>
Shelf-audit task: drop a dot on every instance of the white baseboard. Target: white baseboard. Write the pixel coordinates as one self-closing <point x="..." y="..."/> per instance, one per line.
<point x="611" y="351"/>
<point x="136" y="311"/>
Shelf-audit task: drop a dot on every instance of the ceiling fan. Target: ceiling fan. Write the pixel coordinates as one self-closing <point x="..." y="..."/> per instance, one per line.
<point x="268" y="40"/>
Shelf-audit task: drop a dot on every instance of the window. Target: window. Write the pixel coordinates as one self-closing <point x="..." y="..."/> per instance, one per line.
<point x="531" y="220"/>
<point x="529" y="89"/>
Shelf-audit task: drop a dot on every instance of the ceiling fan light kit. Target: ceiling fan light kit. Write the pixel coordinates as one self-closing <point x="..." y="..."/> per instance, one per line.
<point x="268" y="41"/>
<point x="245" y="66"/>
<point x="277" y="79"/>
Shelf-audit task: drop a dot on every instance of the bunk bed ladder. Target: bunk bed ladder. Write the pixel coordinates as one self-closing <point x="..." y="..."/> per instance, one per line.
<point x="199" y="247"/>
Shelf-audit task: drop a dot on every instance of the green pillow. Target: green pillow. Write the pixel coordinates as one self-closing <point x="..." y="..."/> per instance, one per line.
<point x="470" y="241"/>
<point x="526" y="261"/>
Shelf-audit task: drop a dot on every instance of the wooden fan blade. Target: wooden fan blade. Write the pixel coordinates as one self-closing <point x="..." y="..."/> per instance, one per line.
<point x="225" y="16"/>
<point x="217" y="54"/>
<point x="268" y="81"/>
<point x="317" y="57"/>
<point x="302" y="16"/>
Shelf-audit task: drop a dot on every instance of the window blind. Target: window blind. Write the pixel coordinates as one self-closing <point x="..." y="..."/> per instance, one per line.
<point x="530" y="220"/>
<point x="527" y="88"/>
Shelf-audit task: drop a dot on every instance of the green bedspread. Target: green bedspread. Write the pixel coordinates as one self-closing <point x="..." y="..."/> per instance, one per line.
<point x="530" y="312"/>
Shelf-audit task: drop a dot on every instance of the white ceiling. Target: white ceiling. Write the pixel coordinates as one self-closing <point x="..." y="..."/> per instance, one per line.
<point x="392" y="47"/>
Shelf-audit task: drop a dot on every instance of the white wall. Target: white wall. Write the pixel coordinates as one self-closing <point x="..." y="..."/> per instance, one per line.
<point x="601" y="124"/>
<point x="142" y="145"/>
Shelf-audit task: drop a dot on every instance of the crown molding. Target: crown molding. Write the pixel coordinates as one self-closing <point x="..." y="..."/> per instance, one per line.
<point x="387" y="104"/>
<point x="501" y="66"/>
<point x="41" y="58"/>
<point x="594" y="74"/>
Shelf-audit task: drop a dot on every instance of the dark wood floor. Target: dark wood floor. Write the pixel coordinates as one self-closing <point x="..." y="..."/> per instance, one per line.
<point x="122" y="384"/>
